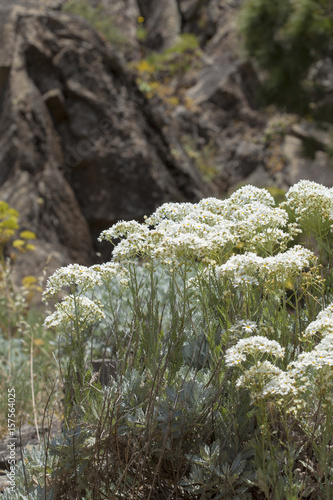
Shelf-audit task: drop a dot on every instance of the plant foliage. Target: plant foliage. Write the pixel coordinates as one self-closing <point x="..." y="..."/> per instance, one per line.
<point x="291" y="40"/>
<point x="218" y="332"/>
<point x="24" y="345"/>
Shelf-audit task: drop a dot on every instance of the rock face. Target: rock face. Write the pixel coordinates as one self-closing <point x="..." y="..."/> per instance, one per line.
<point x="163" y="23"/>
<point x="122" y="18"/>
<point x="80" y="146"/>
<point x="83" y="145"/>
<point x="30" y="156"/>
<point x="226" y="115"/>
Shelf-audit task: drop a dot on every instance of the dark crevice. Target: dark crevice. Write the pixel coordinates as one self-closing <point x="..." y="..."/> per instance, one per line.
<point x="4" y="76"/>
<point x="182" y="179"/>
<point x="41" y="70"/>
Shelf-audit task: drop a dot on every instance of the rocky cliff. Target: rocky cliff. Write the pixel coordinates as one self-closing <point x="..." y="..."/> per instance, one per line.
<point x="92" y="131"/>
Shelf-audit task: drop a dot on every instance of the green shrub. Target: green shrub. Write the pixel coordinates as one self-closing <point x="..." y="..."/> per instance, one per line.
<point x="99" y="18"/>
<point x="290" y="41"/>
<point x="177" y="59"/>
<point x="156" y="71"/>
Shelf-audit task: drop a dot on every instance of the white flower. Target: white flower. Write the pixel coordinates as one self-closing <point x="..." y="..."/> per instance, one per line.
<point x="287" y="264"/>
<point x="281" y="384"/>
<point x="71" y="310"/>
<point x="319" y="357"/>
<point x="252" y="346"/>
<point x="265" y="379"/>
<point x="170" y="211"/>
<point x="240" y="267"/>
<point x="110" y="270"/>
<point x="312" y="204"/>
<point x="249" y="194"/>
<point x="323" y="324"/>
<point x="257" y="375"/>
<point x="247" y="326"/>
<point x="241" y="328"/>
<point x="261" y="226"/>
<point x="72" y="275"/>
<point x="214" y="205"/>
<point x="249" y="268"/>
<point x="121" y="229"/>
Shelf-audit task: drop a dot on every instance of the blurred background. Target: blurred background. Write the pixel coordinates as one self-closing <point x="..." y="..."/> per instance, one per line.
<point x="110" y="108"/>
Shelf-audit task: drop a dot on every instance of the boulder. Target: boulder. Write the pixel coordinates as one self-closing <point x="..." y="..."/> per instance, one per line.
<point x="319" y="135"/>
<point x="80" y="146"/>
<point x="225" y="95"/>
<point x="163" y="23"/>
<point x="225" y="82"/>
<point x="317" y="168"/>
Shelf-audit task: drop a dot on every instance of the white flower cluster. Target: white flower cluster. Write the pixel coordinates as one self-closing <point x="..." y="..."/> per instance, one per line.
<point x="260" y="226"/>
<point x="320" y="356"/>
<point x="170" y="211"/>
<point x="258" y="223"/>
<point x="206" y="230"/>
<point x="74" y="309"/>
<point x="241" y="269"/>
<point x="281" y="384"/>
<point x="257" y="374"/>
<point x="72" y="275"/>
<point x="311" y="202"/>
<point x="241" y="329"/>
<point x="135" y="240"/>
<point x="251" y="268"/>
<point x="287" y="264"/>
<point x="174" y="230"/>
<point x="322" y="325"/>
<point x="255" y="346"/>
<point x="265" y="379"/>
<point x="122" y="228"/>
<point x="249" y="194"/>
<point x="110" y="270"/>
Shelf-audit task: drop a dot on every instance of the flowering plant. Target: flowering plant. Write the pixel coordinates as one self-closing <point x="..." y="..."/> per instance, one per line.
<point x="215" y="316"/>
